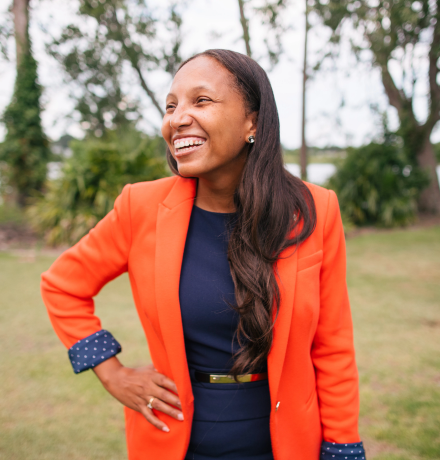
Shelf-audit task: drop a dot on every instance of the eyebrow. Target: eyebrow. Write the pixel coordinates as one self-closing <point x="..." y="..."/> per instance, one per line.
<point x="196" y="88"/>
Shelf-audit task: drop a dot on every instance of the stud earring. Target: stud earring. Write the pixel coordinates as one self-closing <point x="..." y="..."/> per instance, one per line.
<point x="251" y="139"/>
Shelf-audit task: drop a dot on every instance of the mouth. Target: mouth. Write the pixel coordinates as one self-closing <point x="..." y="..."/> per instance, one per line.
<point x="187" y="145"/>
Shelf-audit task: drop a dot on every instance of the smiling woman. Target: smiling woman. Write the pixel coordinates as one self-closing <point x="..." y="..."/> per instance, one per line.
<point x="238" y="274"/>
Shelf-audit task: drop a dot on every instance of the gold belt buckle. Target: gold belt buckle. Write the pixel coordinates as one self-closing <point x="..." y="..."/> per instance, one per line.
<point x="224" y="378"/>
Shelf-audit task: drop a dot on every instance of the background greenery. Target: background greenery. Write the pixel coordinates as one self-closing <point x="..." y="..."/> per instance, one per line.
<point x="376" y="186"/>
<point x="91" y="180"/>
<point x="48" y="413"/>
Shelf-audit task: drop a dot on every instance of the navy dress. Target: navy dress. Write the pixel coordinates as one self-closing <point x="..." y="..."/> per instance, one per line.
<point x="231" y="421"/>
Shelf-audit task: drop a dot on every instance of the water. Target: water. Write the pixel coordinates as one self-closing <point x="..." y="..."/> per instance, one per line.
<point x="319" y="173"/>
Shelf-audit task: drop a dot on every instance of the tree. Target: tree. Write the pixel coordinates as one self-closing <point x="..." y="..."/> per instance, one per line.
<point x="26" y="148"/>
<point x="269" y="13"/>
<point x="303" y="151"/>
<point x="115" y="35"/>
<point x="397" y="36"/>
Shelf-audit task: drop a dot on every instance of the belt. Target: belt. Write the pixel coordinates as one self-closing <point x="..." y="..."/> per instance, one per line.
<point x="225" y="378"/>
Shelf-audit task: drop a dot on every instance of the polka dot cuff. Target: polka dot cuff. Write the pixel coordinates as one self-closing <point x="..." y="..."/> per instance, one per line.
<point x="334" y="451"/>
<point x="93" y="350"/>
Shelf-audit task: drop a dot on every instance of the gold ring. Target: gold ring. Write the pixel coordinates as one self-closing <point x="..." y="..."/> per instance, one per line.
<point x="149" y="405"/>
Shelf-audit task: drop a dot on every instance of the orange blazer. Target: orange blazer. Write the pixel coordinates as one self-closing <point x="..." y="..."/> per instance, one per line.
<point x="313" y="377"/>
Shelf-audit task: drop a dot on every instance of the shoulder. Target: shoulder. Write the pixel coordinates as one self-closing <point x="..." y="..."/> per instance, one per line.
<point x="159" y="188"/>
<point x="322" y="197"/>
<point x="327" y="208"/>
<point x="149" y="193"/>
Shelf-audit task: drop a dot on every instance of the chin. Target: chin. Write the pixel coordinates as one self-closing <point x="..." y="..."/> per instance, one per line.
<point x="187" y="170"/>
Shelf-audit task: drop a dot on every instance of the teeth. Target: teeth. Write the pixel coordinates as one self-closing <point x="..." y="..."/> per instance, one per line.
<point x="188" y="143"/>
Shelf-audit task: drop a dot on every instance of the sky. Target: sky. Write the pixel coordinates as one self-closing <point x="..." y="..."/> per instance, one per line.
<point x="215" y="24"/>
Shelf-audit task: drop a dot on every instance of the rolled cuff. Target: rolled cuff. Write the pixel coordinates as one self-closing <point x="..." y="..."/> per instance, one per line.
<point x="349" y="451"/>
<point x="93" y="350"/>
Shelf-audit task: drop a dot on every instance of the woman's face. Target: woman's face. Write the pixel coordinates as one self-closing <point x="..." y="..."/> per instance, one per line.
<point x="206" y="126"/>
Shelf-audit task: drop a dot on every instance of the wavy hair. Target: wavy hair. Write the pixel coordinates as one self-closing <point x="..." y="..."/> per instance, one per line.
<point x="274" y="211"/>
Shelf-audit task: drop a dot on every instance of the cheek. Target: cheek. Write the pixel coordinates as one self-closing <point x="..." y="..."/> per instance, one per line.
<point x="227" y="134"/>
<point x="166" y="130"/>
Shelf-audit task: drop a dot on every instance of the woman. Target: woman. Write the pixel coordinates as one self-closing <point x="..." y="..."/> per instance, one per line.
<point x="238" y="275"/>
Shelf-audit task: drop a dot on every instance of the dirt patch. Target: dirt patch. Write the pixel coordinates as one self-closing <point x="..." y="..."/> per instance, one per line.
<point x="16" y="236"/>
<point x="23" y="242"/>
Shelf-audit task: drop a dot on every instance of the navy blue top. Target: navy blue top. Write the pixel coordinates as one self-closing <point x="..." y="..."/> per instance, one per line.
<point x="230" y="420"/>
<point x="206" y="291"/>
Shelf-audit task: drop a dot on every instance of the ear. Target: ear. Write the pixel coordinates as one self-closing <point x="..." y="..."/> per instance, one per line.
<point x="251" y="125"/>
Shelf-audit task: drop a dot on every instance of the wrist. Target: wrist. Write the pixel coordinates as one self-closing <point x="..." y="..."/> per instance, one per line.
<point x="107" y="370"/>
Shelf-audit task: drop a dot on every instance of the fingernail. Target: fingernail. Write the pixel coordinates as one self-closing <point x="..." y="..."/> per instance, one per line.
<point x="166" y="429"/>
<point x="180" y="416"/>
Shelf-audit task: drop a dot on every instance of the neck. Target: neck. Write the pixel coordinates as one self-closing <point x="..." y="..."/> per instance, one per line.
<point x="217" y="195"/>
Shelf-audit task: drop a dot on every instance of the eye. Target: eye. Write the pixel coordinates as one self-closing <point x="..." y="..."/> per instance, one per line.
<point x="203" y="99"/>
<point x="170" y="106"/>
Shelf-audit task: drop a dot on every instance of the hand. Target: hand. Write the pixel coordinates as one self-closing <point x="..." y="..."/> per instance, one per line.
<point x="135" y="387"/>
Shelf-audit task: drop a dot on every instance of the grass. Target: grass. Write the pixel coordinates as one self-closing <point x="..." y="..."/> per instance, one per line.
<point x="49" y="413"/>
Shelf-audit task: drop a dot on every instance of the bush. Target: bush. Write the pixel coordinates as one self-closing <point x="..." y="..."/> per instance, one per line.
<point x="91" y="180"/>
<point x="376" y="186"/>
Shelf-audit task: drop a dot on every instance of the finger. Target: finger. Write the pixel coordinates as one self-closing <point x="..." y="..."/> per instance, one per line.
<point x="164" y="381"/>
<point x="166" y="409"/>
<point x="165" y="384"/>
<point x="166" y="396"/>
<point x="151" y="418"/>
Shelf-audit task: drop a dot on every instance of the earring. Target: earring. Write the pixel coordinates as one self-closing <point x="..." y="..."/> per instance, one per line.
<point x="251" y="139"/>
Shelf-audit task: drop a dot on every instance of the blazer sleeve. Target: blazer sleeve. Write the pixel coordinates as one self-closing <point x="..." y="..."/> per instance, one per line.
<point x="70" y="284"/>
<point x="332" y="351"/>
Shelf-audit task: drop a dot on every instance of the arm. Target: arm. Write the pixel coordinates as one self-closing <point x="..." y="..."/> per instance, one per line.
<point x="333" y="352"/>
<point x="68" y="288"/>
<point x="70" y="284"/>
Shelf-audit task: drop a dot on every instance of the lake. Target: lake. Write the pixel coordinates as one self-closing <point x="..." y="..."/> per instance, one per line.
<point x="319" y="173"/>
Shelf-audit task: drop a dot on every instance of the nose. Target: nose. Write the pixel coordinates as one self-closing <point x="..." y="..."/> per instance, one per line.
<point x="180" y="117"/>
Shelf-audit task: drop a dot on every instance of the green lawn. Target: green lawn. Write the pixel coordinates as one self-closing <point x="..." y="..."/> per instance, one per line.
<point x="46" y="412"/>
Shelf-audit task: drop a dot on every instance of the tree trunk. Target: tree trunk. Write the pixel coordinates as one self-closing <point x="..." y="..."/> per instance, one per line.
<point x="303" y="152"/>
<point x="429" y="200"/>
<point x="245" y="26"/>
<point x="20" y="10"/>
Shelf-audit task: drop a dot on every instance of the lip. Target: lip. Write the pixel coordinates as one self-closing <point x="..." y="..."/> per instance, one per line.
<point x="187" y="152"/>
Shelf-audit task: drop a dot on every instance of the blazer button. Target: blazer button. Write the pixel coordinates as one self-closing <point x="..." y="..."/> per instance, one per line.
<point x="278" y="405"/>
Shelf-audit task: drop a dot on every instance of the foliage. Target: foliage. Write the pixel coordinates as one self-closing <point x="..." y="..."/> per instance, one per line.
<point x="116" y="38"/>
<point x="92" y="178"/>
<point x="25" y="149"/>
<point x="376" y="186"/>
<point x="402" y="39"/>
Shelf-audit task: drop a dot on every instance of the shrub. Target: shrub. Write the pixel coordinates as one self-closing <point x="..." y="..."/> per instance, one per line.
<point x="91" y="180"/>
<point x="376" y="186"/>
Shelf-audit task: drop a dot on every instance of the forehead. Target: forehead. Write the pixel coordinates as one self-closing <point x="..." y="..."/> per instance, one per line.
<point x="202" y="72"/>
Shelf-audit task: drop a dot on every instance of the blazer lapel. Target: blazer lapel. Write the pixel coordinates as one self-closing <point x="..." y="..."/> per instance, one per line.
<point x="172" y="226"/>
<point x="286" y="278"/>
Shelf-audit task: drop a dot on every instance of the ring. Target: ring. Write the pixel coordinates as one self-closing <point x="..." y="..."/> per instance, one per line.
<point x="149" y="403"/>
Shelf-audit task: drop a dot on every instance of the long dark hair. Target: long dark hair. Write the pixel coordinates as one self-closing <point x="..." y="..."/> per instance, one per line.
<point x="275" y="210"/>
